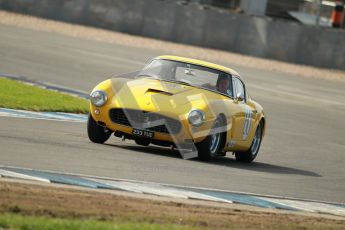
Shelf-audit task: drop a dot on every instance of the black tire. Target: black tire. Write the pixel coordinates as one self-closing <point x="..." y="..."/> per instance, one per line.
<point x="143" y="142"/>
<point x="211" y="146"/>
<point x="249" y="155"/>
<point x="97" y="133"/>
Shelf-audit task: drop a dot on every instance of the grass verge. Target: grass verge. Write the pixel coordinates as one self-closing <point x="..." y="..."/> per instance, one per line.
<point x="19" y="95"/>
<point x="15" y="221"/>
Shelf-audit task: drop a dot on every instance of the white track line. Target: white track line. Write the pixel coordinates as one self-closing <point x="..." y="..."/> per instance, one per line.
<point x="5" y="173"/>
<point x="159" y="190"/>
<point x="55" y="116"/>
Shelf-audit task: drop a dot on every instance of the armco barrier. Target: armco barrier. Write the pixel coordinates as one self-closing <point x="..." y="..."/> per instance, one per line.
<point x="191" y="24"/>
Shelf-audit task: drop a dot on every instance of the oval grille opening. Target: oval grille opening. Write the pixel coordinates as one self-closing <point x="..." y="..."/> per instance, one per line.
<point x="145" y="120"/>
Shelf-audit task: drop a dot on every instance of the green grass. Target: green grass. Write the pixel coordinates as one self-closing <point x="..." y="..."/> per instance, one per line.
<point x="15" y="221"/>
<point x="18" y="95"/>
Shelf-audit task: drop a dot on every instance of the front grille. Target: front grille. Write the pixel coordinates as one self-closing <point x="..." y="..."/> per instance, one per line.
<point x="145" y="120"/>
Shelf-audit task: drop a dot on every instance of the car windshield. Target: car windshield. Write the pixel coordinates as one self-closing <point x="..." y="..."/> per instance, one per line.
<point x="189" y="74"/>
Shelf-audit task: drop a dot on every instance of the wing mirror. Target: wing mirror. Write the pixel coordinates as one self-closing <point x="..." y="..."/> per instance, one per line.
<point x="189" y="72"/>
<point x="239" y="97"/>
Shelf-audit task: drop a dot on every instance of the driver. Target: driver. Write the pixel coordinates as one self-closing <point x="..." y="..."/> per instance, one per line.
<point x="223" y="83"/>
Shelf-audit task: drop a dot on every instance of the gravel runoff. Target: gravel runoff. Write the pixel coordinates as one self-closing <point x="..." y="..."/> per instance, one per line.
<point x="102" y="35"/>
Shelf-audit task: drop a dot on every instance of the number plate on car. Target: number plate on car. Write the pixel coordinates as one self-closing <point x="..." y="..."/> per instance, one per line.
<point x="142" y="133"/>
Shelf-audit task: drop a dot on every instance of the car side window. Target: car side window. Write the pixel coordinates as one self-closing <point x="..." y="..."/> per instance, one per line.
<point x="224" y="84"/>
<point x="239" y="89"/>
<point x="230" y="90"/>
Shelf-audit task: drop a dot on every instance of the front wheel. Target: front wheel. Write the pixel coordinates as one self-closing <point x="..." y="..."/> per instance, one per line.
<point x="249" y="155"/>
<point x="97" y="133"/>
<point x="212" y="145"/>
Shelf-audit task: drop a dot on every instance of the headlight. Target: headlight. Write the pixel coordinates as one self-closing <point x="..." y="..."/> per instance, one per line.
<point x="196" y="117"/>
<point x="98" y="98"/>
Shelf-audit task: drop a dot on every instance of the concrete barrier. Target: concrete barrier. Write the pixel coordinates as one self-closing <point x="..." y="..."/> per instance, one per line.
<point x="192" y="24"/>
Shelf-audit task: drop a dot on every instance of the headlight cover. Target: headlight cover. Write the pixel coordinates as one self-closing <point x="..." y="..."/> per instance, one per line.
<point x="98" y="98"/>
<point x="196" y="117"/>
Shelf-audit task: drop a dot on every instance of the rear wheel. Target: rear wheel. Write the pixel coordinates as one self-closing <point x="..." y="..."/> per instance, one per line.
<point x="97" y="133"/>
<point x="249" y="155"/>
<point x="212" y="145"/>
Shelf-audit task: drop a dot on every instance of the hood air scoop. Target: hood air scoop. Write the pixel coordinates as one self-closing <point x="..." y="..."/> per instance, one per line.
<point x="159" y="91"/>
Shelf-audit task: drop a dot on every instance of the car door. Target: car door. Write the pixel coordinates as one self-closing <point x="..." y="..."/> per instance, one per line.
<point x="243" y="119"/>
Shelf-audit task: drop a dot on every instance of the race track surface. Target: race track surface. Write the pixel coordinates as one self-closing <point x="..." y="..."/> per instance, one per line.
<point x="302" y="155"/>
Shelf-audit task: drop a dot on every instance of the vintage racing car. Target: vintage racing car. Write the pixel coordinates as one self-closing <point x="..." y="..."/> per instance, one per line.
<point x="200" y="108"/>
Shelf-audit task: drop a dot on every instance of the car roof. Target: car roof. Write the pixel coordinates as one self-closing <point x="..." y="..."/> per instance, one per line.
<point x="199" y="62"/>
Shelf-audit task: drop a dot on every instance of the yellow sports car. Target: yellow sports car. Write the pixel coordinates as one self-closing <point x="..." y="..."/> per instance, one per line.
<point x="200" y="108"/>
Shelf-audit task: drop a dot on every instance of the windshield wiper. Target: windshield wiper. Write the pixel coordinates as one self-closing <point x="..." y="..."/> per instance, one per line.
<point x="148" y="76"/>
<point x="176" y="81"/>
<point x="167" y="80"/>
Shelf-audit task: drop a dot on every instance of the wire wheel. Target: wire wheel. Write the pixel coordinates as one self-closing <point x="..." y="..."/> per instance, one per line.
<point x="212" y="145"/>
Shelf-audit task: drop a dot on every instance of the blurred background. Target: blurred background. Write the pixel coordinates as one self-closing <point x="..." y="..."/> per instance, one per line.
<point x="308" y="32"/>
<point x="313" y="12"/>
<point x="316" y="12"/>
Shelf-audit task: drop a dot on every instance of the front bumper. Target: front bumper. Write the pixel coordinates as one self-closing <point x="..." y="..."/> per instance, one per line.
<point x="186" y="133"/>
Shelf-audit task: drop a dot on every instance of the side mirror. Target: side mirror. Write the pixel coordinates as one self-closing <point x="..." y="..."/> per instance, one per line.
<point x="239" y="96"/>
<point x="189" y="72"/>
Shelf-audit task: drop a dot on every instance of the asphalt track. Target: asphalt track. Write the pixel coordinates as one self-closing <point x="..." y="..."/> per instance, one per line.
<point x="302" y="155"/>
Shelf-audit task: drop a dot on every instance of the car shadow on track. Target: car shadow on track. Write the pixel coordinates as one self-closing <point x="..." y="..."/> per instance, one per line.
<point x="227" y="161"/>
<point x="167" y="152"/>
<point x="261" y="167"/>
